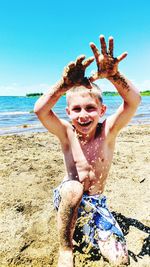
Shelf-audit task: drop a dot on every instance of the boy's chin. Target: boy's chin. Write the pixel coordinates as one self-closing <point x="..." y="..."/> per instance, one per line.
<point x="85" y="131"/>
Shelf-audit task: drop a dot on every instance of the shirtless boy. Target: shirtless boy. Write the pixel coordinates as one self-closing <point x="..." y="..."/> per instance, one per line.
<point x="88" y="148"/>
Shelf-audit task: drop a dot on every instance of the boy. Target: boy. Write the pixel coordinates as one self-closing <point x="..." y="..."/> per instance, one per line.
<point x="88" y="148"/>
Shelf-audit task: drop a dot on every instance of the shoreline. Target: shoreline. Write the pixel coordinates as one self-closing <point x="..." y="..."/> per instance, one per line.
<point x="38" y="128"/>
<point x="22" y="129"/>
<point x="32" y="166"/>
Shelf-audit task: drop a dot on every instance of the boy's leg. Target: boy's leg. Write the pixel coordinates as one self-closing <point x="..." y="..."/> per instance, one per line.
<point x="113" y="247"/>
<point x="103" y="230"/>
<point x="114" y="250"/>
<point x="71" y="194"/>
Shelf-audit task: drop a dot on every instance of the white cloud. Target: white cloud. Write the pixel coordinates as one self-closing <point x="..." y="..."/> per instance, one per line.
<point x="106" y="85"/>
<point x="142" y="85"/>
<point x="21" y="90"/>
<point x="145" y="85"/>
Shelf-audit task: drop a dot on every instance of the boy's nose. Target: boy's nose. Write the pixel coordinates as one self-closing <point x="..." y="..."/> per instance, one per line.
<point x="83" y="115"/>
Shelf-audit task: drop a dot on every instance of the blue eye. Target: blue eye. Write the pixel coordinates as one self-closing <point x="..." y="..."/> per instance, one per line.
<point x="76" y="109"/>
<point x="90" y="108"/>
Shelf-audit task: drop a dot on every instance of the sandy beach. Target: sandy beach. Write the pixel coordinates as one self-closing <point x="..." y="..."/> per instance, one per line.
<point x="31" y="166"/>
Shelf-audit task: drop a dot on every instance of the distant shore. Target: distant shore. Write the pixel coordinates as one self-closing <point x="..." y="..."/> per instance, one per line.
<point x="105" y="93"/>
<point x="34" y="94"/>
<point x="32" y="166"/>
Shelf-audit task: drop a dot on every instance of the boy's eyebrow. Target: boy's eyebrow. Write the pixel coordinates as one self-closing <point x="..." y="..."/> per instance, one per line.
<point x="76" y="105"/>
<point x="91" y="105"/>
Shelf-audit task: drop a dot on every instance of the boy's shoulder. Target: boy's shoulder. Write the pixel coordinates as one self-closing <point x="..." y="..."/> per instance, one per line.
<point x="104" y="132"/>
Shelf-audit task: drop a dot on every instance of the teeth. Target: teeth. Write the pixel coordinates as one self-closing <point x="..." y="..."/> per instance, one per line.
<point x="84" y="123"/>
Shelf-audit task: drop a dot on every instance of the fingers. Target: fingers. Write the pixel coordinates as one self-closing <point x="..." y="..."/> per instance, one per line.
<point x="95" y="51"/>
<point x="94" y="77"/>
<point x="88" y="62"/>
<point x="122" y="56"/>
<point x="103" y="45"/>
<point x="80" y="59"/>
<point x="111" y="46"/>
<point x="68" y="68"/>
<point x="71" y="65"/>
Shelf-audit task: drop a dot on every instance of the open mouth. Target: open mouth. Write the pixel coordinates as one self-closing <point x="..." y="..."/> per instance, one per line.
<point x="84" y="124"/>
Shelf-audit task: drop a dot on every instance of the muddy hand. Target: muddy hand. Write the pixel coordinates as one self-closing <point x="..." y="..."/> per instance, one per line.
<point x="107" y="64"/>
<point x="74" y="72"/>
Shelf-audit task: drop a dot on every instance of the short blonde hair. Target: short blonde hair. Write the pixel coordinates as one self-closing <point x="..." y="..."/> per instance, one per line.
<point x="94" y="91"/>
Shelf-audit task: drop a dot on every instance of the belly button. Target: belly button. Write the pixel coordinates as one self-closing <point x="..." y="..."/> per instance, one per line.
<point x="91" y="187"/>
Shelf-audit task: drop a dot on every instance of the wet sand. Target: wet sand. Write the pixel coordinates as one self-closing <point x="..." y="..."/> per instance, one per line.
<point x="31" y="166"/>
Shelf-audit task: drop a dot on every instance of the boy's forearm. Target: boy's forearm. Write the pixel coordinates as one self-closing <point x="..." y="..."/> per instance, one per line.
<point x="126" y="89"/>
<point x="46" y="102"/>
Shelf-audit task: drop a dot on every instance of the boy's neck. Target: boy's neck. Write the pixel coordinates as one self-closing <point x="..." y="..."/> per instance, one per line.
<point x="86" y="138"/>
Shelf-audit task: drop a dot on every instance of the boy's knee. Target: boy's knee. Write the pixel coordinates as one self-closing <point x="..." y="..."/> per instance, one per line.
<point x="114" y="252"/>
<point x="72" y="192"/>
<point x="121" y="260"/>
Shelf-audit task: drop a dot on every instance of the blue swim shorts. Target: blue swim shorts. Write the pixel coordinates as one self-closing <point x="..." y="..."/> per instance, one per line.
<point x="95" y="222"/>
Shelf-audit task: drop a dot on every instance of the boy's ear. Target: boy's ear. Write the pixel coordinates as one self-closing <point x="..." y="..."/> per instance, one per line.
<point x="102" y="110"/>
<point x="67" y="111"/>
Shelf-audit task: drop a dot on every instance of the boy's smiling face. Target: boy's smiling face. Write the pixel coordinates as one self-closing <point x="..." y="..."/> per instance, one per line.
<point x="84" y="110"/>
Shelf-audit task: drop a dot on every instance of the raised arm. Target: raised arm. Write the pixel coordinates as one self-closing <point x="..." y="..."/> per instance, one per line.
<point x="107" y="67"/>
<point x="74" y="74"/>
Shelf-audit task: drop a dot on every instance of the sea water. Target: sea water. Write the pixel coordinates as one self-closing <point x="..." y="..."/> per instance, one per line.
<point x="17" y="116"/>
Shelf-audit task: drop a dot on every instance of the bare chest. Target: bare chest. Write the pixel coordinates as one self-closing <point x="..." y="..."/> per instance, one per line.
<point x="89" y="161"/>
<point x="99" y="155"/>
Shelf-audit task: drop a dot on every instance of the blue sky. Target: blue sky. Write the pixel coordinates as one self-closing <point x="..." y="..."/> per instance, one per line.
<point x="39" y="37"/>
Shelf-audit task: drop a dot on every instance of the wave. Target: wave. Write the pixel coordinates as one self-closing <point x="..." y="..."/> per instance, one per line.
<point x="142" y="115"/>
<point x="14" y="113"/>
<point x="20" y="129"/>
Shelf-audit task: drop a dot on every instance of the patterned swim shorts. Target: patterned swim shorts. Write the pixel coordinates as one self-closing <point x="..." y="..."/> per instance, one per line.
<point x="95" y="222"/>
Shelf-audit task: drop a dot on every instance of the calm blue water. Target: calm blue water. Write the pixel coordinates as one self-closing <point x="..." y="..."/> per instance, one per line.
<point x="17" y="111"/>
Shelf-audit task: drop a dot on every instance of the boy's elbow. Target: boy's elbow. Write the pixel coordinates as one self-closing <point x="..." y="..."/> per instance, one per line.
<point x="134" y="101"/>
<point x="138" y="99"/>
<point x="40" y="112"/>
<point x="36" y="109"/>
